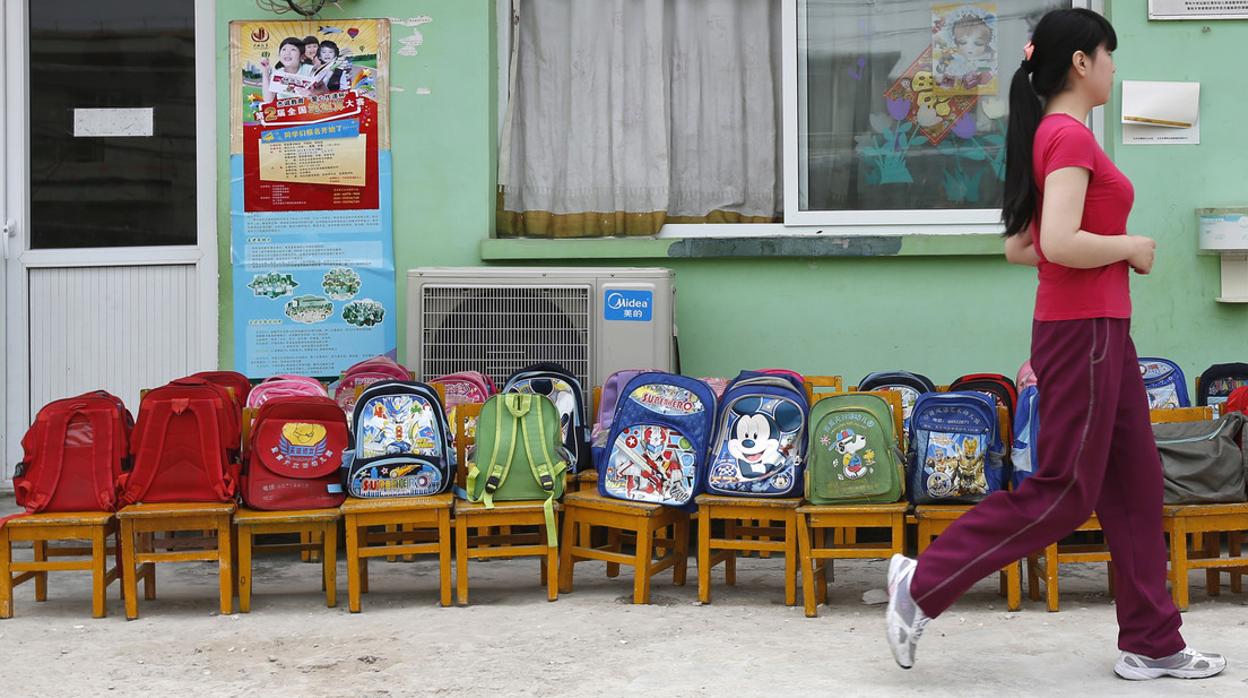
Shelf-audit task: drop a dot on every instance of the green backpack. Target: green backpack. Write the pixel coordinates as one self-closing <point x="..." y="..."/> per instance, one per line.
<point x="519" y="454"/>
<point x="853" y="455"/>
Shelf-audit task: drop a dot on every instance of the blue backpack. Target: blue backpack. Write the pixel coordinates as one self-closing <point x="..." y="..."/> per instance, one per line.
<point x="1165" y="383"/>
<point x="657" y="447"/>
<point x="1026" y="433"/>
<point x="401" y="443"/>
<point x="956" y="454"/>
<point x="760" y="438"/>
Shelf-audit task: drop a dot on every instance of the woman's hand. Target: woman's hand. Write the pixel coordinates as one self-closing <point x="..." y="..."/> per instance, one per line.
<point x="1020" y="248"/>
<point x="1143" y="252"/>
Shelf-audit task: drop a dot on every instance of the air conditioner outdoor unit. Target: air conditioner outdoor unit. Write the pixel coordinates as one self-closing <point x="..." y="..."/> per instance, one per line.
<point x="496" y="320"/>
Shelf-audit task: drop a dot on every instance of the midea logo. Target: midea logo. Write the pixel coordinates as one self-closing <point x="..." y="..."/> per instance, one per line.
<point x="617" y="301"/>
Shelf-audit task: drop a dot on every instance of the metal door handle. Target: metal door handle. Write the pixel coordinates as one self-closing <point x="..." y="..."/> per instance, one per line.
<point x="9" y="230"/>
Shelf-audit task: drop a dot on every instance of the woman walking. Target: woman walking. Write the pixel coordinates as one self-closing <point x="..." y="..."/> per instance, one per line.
<point x="1065" y="211"/>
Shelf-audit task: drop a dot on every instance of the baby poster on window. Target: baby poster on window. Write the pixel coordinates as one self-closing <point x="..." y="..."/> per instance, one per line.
<point x="964" y="48"/>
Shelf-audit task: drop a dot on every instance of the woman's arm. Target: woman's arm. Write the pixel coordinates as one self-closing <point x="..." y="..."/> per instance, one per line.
<point x="1067" y="245"/>
<point x="1021" y="249"/>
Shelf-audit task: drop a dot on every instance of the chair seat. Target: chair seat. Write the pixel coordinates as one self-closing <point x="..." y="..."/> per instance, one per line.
<point x="944" y="512"/>
<point x="536" y="506"/>
<point x="163" y="509"/>
<point x="1172" y="510"/>
<point x="61" y="518"/>
<point x="758" y="502"/>
<point x="593" y="500"/>
<point x="894" y="508"/>
<point x="252" y="517"/>
<point x="355" y="505"/>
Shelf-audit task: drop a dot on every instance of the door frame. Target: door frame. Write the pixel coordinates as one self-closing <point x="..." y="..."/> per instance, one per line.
<point x="15" y="23"/>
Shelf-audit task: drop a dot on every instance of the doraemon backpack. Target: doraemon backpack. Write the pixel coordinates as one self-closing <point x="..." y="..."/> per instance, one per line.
<point x="760" y="439"/>
<point x="1165" y="383"/>
<point x="909" y="385"/>
<point x="1026" y="432"/>
<point x="401" y="443"/>
<point x="657" y="447"/>
<point x="956" y="454"/>
<point x="563" y="388"/>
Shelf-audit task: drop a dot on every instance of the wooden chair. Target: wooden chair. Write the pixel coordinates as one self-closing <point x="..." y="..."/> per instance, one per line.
<point x="749" y="525"/>
<point x="140" y="523"/>
<point x="474" y="524"/>
<point x="933" y="519"/>
<point x="814" y="521"/>
<point x="1205" y="523"/>
<point x="404" y="520"/>
<point x="319" y="527"/>
<point x="815" y="384"/>
<point x="40" y="529"/>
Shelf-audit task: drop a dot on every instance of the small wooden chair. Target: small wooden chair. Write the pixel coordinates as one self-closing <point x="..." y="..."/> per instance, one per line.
<point x="474" y="524"/>
<point x="814" y="520"/>
<point x="1205" y="522"/>
<point x="404" y="519"/>
<point x="140" y="522"/>
<point x="761" y="514"/>
<point x="40" y="529"/>
<point x="934" y="519"/>
<point x="318" y="527"/>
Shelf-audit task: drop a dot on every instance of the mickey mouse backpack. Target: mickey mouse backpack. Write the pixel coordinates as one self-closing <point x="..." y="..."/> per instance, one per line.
<point x="1165" y="383"/>
<point x="557" y="383"/>
<point x="658" y="444"/>
<point x="760" y="441"/>
<point x="402" y="445"/>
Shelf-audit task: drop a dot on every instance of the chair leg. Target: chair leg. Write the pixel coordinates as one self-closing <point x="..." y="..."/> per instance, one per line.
<point x="444" y="557"/>
<point x="1051" y="590"/>
<point x="225" y="558"/>
<point x="680" y="568"/>
<point x="148" y="545"/>
<point x="461" y="560"/>
<point x="570" y="540"/>
<point x="329" y="563"/>
<point x="99" y="573"/>
<point x="730" y="565"/>
<point x="790" y="559"/>
<point x="354" y="563"/>
<point x="1213" y="550"/>
<point x="808" y="570"/>
<point x="1178" y="563"/>
<point x="644" y="555"/>
<point x="704" y="555"/>
<point x="1033" y="577"/>
<point x="1234" y="545"/>
<point x="129" y="574"/>
<point x="1014" y="589"/>
<point x="1112" y="579"/>
<point x="550" y="572"/>
<point x="613" y="544"/>
<point x="245" y="539"/>
<point x="305" y="538"/>
<point x="41" y="578"/>
<point x="6" y="575"/>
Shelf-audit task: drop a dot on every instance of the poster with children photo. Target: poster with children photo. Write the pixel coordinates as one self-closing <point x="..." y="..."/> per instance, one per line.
<point x="964" y="48"/>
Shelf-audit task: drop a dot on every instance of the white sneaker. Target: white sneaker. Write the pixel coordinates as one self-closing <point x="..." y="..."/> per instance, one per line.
<point x="1188" y="664"/>
<point x="905" y="620"/>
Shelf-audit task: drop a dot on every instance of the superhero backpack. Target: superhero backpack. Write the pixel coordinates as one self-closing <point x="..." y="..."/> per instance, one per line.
<point x="610" y="397"/>
<point x="657" y="446"/>
<point x="1026" y="434"/>
<point x="296" y="449"/>
<point x="1165" y="383"/>
<point x="563" y="388"/>
<point x="995" y="385"/>
<point x="854" y="455"/>
<point x="956" y="454"/>
<point x="228" y="379"/>
<point x="760" y="439"/>
<point x="909" y="385"/>
<point x="363" y="374"/>
<point x="74" y="454"/>
<point x="285" y="385"/>
<point x="182" y="445"/>
<point x="401" y="443"/>
<point x="1219" y="381"/>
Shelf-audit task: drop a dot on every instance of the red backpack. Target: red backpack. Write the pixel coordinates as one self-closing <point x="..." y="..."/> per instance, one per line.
<point x="228" y="379"/>
<point x="74" y="454"/>
<point x="1237" y="401"/>
<point x="181" y="445"/>
<point x="294" y="455"/>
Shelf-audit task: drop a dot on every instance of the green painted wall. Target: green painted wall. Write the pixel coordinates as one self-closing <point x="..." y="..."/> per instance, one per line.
<point x="941" y="315"/>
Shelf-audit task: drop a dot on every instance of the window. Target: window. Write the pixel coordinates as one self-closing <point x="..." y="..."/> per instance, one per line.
<point x="779" y="117"/>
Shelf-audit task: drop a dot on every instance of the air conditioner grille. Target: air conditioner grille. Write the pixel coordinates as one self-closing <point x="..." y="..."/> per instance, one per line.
<point x="499" y="329"/>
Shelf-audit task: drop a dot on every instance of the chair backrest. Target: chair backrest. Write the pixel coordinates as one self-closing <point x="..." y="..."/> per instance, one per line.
<point x="463" y="439"/>
<point x="1172" y="415"/>
<point x="597" y="398"/>
<point x="812" y="384"/>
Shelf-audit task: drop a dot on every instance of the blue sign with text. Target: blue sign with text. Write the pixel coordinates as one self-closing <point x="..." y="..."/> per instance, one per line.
<point x="618" y="304"/>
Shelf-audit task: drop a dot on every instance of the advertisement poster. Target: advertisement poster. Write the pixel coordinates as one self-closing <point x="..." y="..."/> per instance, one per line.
<point x="310" y="196"/>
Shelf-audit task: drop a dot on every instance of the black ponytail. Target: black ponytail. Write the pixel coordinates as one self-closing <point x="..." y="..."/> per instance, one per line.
<point x="1042" y="75"/>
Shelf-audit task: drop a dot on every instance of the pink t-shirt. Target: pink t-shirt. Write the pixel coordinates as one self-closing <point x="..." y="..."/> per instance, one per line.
<point x="1075" y="294"/>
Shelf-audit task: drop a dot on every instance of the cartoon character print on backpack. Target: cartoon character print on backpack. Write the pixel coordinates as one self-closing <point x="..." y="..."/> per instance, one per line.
<point x="761" y="443"/>
<point x="303" y="445"/>
<point x="652" y="463"/>
<point x="954" y="465"/>
<point x="856" y="459"/>
<point x="398" y="424"/>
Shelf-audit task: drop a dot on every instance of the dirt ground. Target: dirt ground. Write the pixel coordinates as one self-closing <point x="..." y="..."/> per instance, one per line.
<point x="593" y="642"/>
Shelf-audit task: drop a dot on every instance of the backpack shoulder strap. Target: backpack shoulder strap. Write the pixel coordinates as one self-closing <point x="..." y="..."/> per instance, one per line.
<point x="545" y="470"/>
<point x="496" y="473"/>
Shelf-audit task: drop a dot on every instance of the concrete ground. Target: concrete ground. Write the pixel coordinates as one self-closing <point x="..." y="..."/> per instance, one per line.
<point x="593" y="642"/>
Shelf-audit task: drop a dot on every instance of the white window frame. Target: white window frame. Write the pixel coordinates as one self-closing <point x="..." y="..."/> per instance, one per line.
<point x="797" y="222"/>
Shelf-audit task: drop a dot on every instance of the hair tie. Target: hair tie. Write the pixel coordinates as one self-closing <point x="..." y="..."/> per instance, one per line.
<point x="1028" y="49"/>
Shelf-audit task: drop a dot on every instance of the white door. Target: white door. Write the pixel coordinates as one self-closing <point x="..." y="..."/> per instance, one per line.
<point x="110" y="184"/>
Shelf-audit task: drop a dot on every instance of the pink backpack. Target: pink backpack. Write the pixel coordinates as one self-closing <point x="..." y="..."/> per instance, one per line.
<point x="1026" y="376"/>
<point x="285" y="384"/>
<point x="381" y="364"/>
<point x="466" y="387"/>
<point x="363" y="374"/>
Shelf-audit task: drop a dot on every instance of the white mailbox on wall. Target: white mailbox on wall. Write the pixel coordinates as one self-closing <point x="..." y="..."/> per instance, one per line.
<point x="1225" y="231"/>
